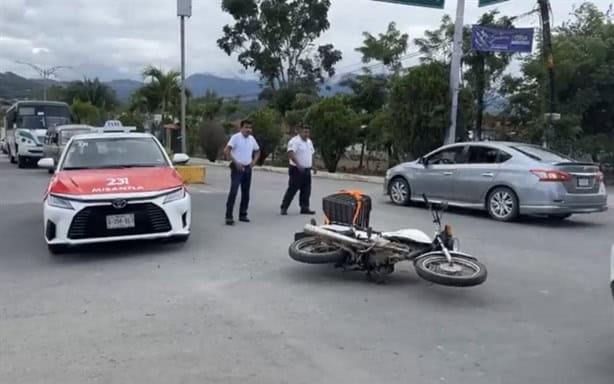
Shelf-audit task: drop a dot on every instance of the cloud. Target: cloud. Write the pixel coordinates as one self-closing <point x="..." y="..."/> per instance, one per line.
<point x="114" y="38"/>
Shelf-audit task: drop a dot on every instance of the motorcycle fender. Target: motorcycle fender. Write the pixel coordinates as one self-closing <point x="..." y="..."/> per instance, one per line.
<point x="451" y="252"/>
<point x="300" y="235"/>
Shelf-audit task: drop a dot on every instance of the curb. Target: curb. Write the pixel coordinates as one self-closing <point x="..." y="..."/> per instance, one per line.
<point x="320" y="174"/>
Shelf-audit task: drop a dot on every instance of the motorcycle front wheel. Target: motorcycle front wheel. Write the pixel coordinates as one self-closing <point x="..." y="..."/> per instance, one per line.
<point x="463" y="271"/>
<point x="312" y="250"/>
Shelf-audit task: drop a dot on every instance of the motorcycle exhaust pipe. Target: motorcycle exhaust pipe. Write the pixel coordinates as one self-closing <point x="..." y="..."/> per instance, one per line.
<point x="333" y="236"/>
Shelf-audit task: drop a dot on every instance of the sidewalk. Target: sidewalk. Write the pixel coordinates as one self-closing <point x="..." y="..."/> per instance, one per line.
<point x="282" y="170"/>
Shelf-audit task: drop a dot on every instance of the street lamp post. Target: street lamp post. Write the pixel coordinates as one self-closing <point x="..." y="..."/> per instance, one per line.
<point x="44" y="73"/>
<point x="455" y="68"/>
<point x="184" y="9"/>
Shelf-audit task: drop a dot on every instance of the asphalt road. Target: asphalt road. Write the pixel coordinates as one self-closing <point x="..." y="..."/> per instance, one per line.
<point x="230" y="306"/>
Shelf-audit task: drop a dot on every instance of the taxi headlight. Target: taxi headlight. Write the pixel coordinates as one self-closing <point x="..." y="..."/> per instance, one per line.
<point x="58" y="202"/>
<point x="174" y="196"/>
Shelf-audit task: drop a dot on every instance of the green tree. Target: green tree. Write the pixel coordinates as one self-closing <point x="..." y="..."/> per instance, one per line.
<point x="370" y="91"/>
<point x="85" y="112"/>
<point x="334" y="127"/>
<point x="276" y="39"/>
<point x="388" y="48"/>
<point x="208" y="106"/>
<point x="160" y="94"/>
<point x="267" y="131"/>
<point x="481" y="70"/>
<point x="212" y="138"/>
<point x="420" y="105"/>
<point x="94" y="92"/>
<point x="131" y="119"/>
<point x="583" y="49"/>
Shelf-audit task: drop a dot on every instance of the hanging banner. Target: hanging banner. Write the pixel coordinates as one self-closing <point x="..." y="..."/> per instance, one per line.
<point x="419" y="3"/>
<point x="510" y="40"/>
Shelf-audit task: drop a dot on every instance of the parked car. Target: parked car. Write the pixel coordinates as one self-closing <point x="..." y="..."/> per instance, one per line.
<point x="505" y="178"/>
<point x="57" y="138"/>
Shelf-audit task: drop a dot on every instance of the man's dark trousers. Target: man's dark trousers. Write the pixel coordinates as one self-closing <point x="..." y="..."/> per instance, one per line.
<point x="300" y="180"/>
<point x="238" y="179"/>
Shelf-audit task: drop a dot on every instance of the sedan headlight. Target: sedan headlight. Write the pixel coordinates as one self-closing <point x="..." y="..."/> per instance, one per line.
<point x="388" y="173"/>
<point x="174" y="196"/>
<point x="58" y="202"/>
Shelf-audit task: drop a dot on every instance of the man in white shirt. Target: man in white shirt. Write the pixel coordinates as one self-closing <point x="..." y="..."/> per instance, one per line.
<point x="242" y="150"/>
<point x="300" y="155"/>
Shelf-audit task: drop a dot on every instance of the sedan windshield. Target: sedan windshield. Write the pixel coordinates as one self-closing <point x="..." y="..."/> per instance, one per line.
<point x="100" y="153"/>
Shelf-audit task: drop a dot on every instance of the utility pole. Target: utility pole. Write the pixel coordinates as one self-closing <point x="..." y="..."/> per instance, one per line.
<point x="44" y="73"/>
<point x="544" y="9"/>
<point x="184" y="9"/>
<point x="455" y="68"/>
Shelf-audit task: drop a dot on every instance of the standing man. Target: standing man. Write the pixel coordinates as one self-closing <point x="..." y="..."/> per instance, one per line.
<point x="300" y="154"/>
<point x="242" y="150"/>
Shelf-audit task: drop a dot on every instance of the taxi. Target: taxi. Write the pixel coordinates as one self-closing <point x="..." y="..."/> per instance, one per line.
<point x="114" y="187"/>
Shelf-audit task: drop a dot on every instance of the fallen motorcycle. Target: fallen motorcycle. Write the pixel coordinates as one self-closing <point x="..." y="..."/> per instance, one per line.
<point x="348" y="246"/>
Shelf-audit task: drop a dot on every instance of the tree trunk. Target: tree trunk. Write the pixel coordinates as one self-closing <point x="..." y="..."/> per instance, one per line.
<point x="480" y="89"/>
<point x="362" y="154"/>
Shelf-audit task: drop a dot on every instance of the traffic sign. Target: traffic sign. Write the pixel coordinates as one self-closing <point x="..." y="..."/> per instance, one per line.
<point x="419" y="3"/>
<point x="485" y="3"/>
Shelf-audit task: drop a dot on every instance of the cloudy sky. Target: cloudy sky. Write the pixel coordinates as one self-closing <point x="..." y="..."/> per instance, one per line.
<point x="116" y="38"/>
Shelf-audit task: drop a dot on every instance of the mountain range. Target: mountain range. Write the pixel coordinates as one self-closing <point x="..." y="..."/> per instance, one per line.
<point x="13" y="86"/>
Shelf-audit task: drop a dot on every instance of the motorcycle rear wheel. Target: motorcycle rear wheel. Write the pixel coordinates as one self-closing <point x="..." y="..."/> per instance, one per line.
<point x="312" y="250"/>
<point x="462" y="272"/>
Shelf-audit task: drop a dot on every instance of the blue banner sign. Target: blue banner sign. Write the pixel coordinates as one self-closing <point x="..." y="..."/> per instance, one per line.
<point x="510" y="40"/>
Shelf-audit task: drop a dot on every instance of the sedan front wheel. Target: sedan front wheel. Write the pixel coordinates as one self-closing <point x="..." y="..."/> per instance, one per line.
<point x="502" y="204"/>
<point x="399" y="191"/>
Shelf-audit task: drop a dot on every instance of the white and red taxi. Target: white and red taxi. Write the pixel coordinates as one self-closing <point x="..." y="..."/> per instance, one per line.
<point x="112" y="187"/>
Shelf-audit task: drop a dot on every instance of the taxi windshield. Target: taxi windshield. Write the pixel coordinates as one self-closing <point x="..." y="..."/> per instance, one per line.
<point x="101" y="153"/>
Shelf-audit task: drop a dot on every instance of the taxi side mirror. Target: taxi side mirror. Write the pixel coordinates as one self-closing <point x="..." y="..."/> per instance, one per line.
<point x="46" y="163"/>
<point x="180" y="158"/>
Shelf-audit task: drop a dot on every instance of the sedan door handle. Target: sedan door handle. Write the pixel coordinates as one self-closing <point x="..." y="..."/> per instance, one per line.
<point x="448" y="173"/>
<point x="488" y="174"/>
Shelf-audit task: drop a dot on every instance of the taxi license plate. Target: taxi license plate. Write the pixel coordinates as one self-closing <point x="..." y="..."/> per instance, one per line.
<point x="584" y="182"/>
<point x="120" y="221"/>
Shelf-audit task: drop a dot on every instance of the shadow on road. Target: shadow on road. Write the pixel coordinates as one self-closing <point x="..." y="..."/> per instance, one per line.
<point x="575" y="221"/>
<point x="110" y="251"/>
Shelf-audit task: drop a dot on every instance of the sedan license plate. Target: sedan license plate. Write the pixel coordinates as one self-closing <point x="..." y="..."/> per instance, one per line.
<point x="120" y="221"/>
<point x="584" y="182"/>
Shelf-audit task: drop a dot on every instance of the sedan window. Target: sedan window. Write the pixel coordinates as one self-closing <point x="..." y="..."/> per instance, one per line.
<point x="452" y="155"/>
<point x="482" y="155"/>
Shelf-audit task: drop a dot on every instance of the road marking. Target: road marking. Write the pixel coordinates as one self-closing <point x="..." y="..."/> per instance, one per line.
<point x="205" y="190"/>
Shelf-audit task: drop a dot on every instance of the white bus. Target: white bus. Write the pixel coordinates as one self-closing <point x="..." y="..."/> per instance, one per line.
<point x="26" y="124"/>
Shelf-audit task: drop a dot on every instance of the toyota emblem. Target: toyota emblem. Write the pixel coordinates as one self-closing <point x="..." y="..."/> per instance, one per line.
<point x="119" y="204"/>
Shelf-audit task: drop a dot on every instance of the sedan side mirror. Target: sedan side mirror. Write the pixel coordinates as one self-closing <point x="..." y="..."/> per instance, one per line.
<point x="180" y="158"/>
<point x="424" y="161"/>
<point x="46" y="163"/>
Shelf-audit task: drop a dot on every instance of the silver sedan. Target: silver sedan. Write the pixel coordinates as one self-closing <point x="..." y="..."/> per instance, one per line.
<point x="504" y="178"/>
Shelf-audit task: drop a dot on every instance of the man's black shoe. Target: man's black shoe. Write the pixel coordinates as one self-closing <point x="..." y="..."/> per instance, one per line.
<point x="244" y="219"/>
<point x="284" y="212"/>
<point x="230" y="222"/>
<point x="307" y="211"/>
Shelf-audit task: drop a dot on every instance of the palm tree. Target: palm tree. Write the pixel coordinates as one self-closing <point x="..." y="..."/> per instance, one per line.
<point x="94" y="92"/>
<point x="162" y="93"/>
